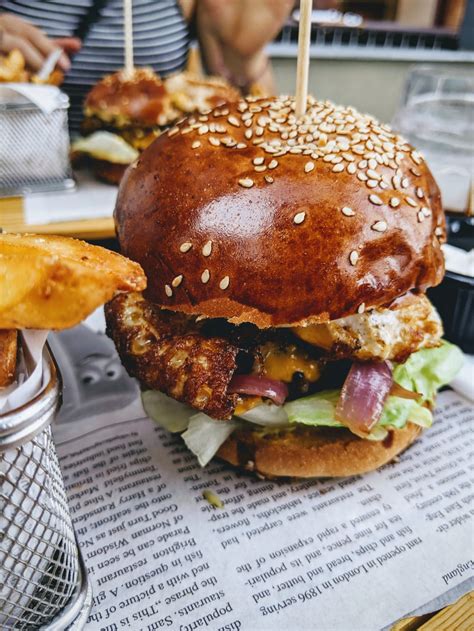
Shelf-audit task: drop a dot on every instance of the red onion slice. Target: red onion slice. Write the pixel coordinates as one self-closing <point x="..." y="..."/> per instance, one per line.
<point x="363" y="396"/>
<point x="255" y="385"/>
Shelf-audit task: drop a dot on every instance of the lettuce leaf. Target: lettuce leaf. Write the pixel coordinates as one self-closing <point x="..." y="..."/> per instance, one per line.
<point x="204" y="436"/>
<point x="167" y="412"/>
<point x="429" y="369"/>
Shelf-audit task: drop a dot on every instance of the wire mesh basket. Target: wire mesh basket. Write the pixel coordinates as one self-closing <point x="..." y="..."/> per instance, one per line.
<point x="43" y="582"/>
<point x="34" y="150"/>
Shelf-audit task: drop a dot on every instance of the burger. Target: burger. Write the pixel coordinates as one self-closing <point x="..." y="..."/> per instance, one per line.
<point x="124" y="113"/>
<point x="285" y="327"/>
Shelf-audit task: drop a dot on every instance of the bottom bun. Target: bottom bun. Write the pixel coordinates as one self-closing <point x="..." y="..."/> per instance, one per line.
<point x="306" y="452"/>
<point x="108" y="171"/>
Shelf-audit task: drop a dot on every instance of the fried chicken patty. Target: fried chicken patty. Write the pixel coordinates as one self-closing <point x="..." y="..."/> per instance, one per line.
<point x="193" y="360"/>
<point x="166" y="352"/>
<point x="379" y="334"/>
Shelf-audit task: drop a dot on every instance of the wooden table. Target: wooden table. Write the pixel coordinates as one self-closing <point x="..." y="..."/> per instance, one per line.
<point x="457" y="617"/>
<point x="12" y="220"/>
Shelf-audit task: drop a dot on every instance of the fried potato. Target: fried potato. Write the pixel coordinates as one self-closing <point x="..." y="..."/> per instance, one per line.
<point x="8" y="351"/>
<point x="12" y="67"/>
<point x="50" y="282"/>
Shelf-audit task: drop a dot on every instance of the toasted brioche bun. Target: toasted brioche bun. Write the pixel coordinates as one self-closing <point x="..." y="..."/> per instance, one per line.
<point x="225" y="227"/>
<point x="307" y="452"/>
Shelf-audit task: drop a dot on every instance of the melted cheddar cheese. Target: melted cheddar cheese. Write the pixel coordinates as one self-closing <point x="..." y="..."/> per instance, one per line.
<point x="282" y="363"/>
<point x="246" y="404"/>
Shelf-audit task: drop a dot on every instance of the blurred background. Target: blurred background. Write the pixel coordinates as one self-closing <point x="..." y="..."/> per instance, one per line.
<point x="363" y="50"/>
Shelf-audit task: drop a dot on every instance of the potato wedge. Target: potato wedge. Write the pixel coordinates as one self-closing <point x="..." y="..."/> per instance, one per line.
<point x="51" y="282"/>
<point x="8" y="352"/>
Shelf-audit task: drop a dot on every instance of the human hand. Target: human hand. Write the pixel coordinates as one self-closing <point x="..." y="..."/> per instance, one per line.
<point x="33" y="43"/>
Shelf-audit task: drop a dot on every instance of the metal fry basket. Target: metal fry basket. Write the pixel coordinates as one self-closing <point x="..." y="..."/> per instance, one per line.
<point x="43" y="581"/>
<point x="34" y="147"/>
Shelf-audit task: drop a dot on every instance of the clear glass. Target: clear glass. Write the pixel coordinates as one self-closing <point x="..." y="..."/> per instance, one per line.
<point x="437" y="116"/>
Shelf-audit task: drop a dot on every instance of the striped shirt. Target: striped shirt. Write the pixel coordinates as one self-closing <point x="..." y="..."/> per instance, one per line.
<point x="160" y="35"/>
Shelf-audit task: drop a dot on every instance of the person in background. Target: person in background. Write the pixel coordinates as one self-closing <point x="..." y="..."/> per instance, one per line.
<point x="232" y="35"/>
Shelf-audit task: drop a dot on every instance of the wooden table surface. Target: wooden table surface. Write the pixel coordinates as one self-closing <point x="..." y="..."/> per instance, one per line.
<point x="12" y="220"/>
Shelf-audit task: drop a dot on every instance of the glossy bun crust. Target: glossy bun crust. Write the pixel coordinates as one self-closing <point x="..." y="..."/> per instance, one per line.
<point x="309" y="453"/>
<point x="249" y="214"/>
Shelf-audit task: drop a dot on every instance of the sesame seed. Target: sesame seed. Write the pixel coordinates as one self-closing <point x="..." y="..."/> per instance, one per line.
<point x="207" y="248"/>
<point x="361" y="308"/>
<point x="405" y="183"/>
<point x="233" y="121"/>
<point x="415" y="156"/>
<point x="215" y="142"/>
<point x="372" y="163"/>
<point x="273" y="164"/>
<point x="362" y="164"/>
<point x="419" y="192"/>
<point x="426" y="211"/>
<point x="353" y="257"/>
<point x="347" y="211"/>
<point x="351" y="168"/>
<point x="438" y="231"/>
<point x="241" y="145"/>
<point x="338" y="168"/>
<point x="373" y="174"/>
<point x="246" y="182"/>
<point x="168" y="291"/>
<point x="248" y="134"/>
<point x="268" y="179"/>
<point x="299" y="217"/>
<point x="205" y="276"/>
<point x="380" y="226"/>
<point x="258" y="161"/>
<point x="394" y="202"/>
<point x="362" y="177"/>
<point x="375" y="199"/>
<point x="308" y="167"/>
<point x="260" y="169"/>
<point x="203" y="129"/>
<point x="186" y="130"/>
<point x="415" y="172"/>
<point x="185" y="247"/>
<point x="421" y="216"/>
<point x="372" y="183"/>
<point x="411" y="202"/>
<point x="224" y="282"/>
<point x="177" y="280"/>
<point x="173" y="131"/>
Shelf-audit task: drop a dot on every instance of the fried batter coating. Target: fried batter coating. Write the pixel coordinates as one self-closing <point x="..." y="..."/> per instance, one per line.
<point x="378" y="334"/>
<point x="166" y="351"/>
<point x="8" y="353"/>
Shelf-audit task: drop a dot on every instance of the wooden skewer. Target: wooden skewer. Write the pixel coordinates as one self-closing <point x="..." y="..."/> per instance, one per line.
<point x="302" y="67"/>
<point x="128" y="33"/>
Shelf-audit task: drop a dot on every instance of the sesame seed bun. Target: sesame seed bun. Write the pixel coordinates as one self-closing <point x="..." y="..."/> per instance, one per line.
<point x="275" y="221"/>
<point x="309" y="452"/>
